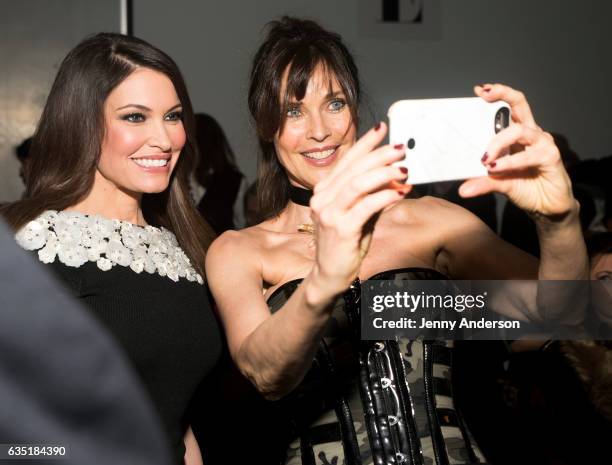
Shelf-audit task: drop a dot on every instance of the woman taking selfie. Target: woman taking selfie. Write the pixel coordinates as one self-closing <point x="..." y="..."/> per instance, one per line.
<point x="287" y="288"/>
<point x="108" y="208"/>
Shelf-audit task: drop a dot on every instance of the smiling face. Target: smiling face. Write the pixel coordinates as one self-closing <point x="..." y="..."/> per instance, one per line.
<point x="317" y="132"/>
<point x="144" y="133"/>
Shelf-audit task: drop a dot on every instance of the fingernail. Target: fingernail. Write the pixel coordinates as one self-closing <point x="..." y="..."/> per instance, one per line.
<point x="486" y="88"/>
<point x="403" y="169"/>
<point x="398" y="146"/>
<point x="484" y="157"/>
<point x="402" y="193"/>
<point x="377" y="127"/>
<point x="492" y="164"/>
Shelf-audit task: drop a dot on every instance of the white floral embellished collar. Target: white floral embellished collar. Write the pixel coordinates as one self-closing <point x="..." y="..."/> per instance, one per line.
<point x="76" y="238"/>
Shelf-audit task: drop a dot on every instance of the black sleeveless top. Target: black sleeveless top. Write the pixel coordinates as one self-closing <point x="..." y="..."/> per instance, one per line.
<point x="141" y="286"/>
<point x="375" y="402"/>
<point x="166" y="329"/>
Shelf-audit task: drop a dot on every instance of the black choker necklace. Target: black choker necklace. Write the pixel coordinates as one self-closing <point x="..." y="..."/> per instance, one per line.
<point x="299" y="195"/>
<point x="302" y="197"/>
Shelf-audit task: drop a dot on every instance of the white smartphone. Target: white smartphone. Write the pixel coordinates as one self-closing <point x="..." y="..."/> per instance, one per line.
<point x="445" y="138"/>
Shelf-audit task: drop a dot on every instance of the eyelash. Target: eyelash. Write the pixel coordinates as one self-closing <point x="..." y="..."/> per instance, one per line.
<point x="293" y="109"/>
<point x="131" y="117"/>
<point x="176" y="116"/>
<point x="606" y="275"/>
<point x="296" y="108"/>
<point x="140" y="118"/>
<point x="342" y="103"/>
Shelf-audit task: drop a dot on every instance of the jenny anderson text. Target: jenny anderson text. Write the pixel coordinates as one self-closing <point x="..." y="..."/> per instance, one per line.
<point x="413" y="323"/>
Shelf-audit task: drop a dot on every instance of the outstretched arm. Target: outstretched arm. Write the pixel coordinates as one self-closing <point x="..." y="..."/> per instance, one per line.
<point x="532" y="177"/>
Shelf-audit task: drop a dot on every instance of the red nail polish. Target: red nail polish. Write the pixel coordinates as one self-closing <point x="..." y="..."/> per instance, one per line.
<point x="377" y="127"/>
<point x="403" y="169"/>
<point x="398" y="146"/>
<point x="402" y="193"/>
<point x="484" y="157"/>
<point x="492" y="164"/>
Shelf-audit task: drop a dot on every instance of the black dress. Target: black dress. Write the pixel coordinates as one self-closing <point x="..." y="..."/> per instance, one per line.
<point x="140" y="284"/>
<point x="367" y="402"/>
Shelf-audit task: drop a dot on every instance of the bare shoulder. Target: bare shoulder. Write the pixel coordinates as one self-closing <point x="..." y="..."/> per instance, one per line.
<point x="233" y="247"/>
<point x="228" y="242"/>
<point x="232" y="241"/>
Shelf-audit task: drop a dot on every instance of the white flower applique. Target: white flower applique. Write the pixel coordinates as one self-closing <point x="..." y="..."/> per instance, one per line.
<point x="75" y="239"/>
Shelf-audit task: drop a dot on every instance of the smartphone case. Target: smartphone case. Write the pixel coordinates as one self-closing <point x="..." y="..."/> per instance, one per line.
<point x="445" y="138"/>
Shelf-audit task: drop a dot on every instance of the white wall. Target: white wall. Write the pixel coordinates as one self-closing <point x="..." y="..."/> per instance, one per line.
<point x="35" y="35"/>
<point x="557" y="51"/>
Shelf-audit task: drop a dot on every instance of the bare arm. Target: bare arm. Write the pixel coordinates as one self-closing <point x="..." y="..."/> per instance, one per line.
<point x="275" y="350"/>
<point x="193" y="455"/>
<point x="534" y="179"/>
<point x="562" y="248"/>
<point x="472" y="251"/>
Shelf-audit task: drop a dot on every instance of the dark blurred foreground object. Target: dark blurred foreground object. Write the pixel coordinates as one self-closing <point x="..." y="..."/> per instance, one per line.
<point x="217" y="173"/>
<point x="62" y="380"/>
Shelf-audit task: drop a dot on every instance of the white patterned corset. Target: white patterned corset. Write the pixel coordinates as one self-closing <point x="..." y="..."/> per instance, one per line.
<point x="75" y="239"/>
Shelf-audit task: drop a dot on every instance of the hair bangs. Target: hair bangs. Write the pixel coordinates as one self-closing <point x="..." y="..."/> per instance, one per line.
<point x="283" y="67"/>
<point x="301" y="69"/>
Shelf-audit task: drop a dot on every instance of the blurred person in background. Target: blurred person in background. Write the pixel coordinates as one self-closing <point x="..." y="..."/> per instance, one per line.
<point x="216" y="177"/>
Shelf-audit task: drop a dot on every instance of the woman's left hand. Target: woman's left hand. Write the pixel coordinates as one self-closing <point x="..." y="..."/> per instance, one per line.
<point x="523" y="162"/>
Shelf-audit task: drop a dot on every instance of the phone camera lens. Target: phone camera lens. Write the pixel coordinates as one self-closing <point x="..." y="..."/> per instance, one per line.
<point x="502" y="119"/>
<point x="410" y="143"/>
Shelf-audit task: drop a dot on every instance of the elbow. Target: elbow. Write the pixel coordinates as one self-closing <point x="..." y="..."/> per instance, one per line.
<point x="269" y="385"/>
<point x="268" y="388"/>
<point x="271" y="393"/>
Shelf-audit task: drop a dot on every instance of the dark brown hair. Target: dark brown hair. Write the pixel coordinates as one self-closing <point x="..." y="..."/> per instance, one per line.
<point x="67" y="144"/>
<point x="301" y="45"/>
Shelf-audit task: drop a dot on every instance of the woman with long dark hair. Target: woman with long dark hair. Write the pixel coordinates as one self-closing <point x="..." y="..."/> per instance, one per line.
<point x="107" y="206"/>
<point x="287" y="289"/>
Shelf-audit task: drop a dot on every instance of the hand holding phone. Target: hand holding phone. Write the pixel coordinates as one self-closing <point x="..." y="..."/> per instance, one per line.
<point x="445" y="139"/>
